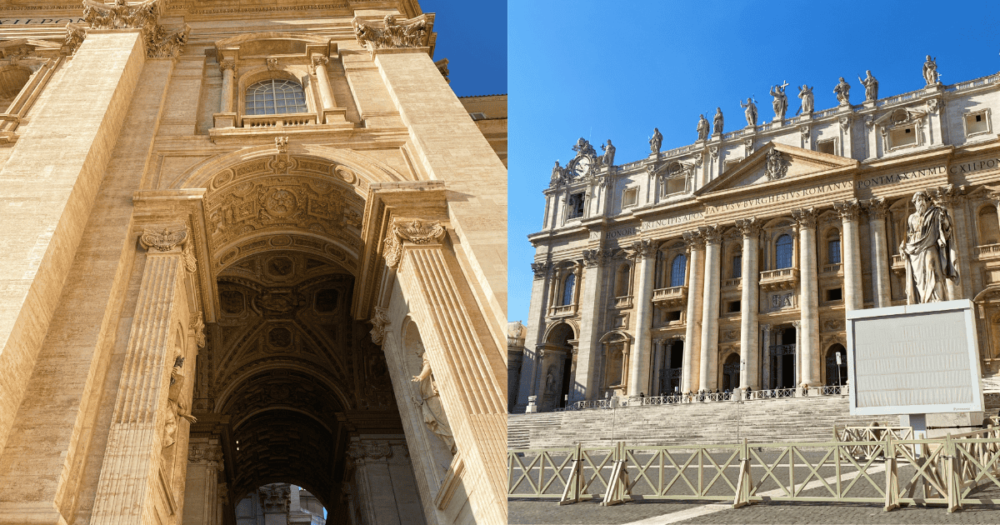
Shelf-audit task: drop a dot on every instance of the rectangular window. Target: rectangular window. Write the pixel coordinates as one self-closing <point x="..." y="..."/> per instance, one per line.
<point x="835" y="294"/>
<point x="575" y="205"/>
<point x="630" y="197"/>
<point x="976" y="123"/>
<point x="673" y="316"/>
<point x="901" y="137"/>
<point x="737" y="267"/>
<point x="734" y="306"/>
<point x="827" y="146"/>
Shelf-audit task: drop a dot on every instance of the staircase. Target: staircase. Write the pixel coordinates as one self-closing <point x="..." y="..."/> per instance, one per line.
<point x="760" y="421"/>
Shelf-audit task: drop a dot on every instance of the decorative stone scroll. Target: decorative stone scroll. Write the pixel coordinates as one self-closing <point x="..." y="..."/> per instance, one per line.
<point x="143" y="16"/>
<point x="198" y="327"/>
<point x="379" y="324"/>
<point x="163" y="240"/>
<point x="393" y="35"/>
<point x="877" y="208"/>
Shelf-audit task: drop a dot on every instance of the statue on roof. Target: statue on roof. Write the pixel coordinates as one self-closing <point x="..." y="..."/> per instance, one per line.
<point x="583" y="148"/>
<point x="702" y="127"/>
<point x="655" y="142"/>
<point x="608" y="159"/>
<point x="806" y="94"/>
<point x="930" y="71"/>
<point x="843" y="92"/>
<point x="780" y="103"/>
<point x="871" y="86"/>
<point x="717" y="122"/>
<point x="751" y="111"/>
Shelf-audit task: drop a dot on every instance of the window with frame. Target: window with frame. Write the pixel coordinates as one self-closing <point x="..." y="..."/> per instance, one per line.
<point x="575" y="204"/>
<point x="827" y="146"/>
<point x="630" y="197"/>
<point x="833" y="248"/>
<point x="275" y="97"/>
<point x="568" y="287"/>
<point x="976" y="123"/>
<point x="737" y="266"/>
<point x="783" y="252"/>
<point x="677" y="270"/>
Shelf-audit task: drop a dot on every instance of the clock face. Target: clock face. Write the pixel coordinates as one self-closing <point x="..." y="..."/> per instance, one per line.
<point x="582" y="166"/>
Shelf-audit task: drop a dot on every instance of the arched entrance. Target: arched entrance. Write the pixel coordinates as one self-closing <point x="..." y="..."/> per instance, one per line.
<point x="836" y="374"/>
<point x="667" y="368"/>
<point x="782" y="358"/>
<point x="557" y="367"/>
<point x="731" y="373"/>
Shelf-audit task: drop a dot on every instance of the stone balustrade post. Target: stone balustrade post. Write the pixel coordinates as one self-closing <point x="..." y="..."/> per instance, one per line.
<point x="808" y="363"/>
<point x="710" y="309"/>
<point x="695" y="279"/>
<point x="877" y="209"/>
<point x="642" y="253"/>
<point x="853" y="294"/>
<point x="749" y="304"/>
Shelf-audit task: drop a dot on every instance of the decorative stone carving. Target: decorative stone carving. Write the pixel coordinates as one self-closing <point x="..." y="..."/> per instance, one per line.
<point x="934" y="104"/>
<point x="877" y="208"/>
<point x="274" y="498"/>
<point x="713" y="152"/>
<point x="702" y="127"/>
<point x="163" y="240"/>
<point x="430" y="404"/>
<point x="848" y="209"/>
<point x="393" y="251"/>
<point x="227" y="64"/>
<point x="805" y="217"/>
<point x="175" y="406"/>
<point x="655" y="142"/>
<point x="806" y="131"/>
<point x="442" y="66"/>
<point x="845" y="124"/>
<point x="608" y="159"/>
<point x="190" y="261"/>
<point x="198" y="327"/>
<point x="692" y="239"/>
<point x="640" y="248"/>
<point x="843" y="92"/>
<point x="806" y="95"/>
<point x="418" y="231"/>
<point x="748" y="146"/>
<point x="593" y="258"/>
<point x="775" y="165"/>
<point x="780" y="102"/>
<point x="929" y="251"/>
<point x="392" y="35"/>
<point x="75" y="33"/>
<point x="142" y="15"/>
<point x="272" y="63"/>
<point x="281" y="143"/>
<point x="930" y="71"/>
<point x="379" y="323"/>
<point x="205" y="453"/>
<point x="748" y="227"/>
<point x="367" y="451"/>
<point x="717" y="122"/>
<point x="540" y="269"/>
<point x="711" y="234"/>
<point x="871" y="86"/>
<point x="750" y="111"/>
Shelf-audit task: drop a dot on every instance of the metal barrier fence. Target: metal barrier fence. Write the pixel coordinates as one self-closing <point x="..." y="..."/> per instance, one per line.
<point x="951" y="471"/>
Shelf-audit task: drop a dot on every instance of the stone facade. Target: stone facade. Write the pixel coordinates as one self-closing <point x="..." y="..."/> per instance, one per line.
<point x="729" y="264"/>
<point x="234" y="235"/>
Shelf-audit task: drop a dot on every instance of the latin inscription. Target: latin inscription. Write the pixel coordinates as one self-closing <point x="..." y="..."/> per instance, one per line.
<point x="920" y="360"/>
<point x="974" y="166"/>
<point x="670" y="221"/>
<point x="621" y="232"/>
<point x="899" y="177"/>
<point x="779" y="197"/>
<point x="39" y="21"/>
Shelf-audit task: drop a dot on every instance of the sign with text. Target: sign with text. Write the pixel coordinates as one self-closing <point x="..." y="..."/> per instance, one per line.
<point x="914" y="359"/>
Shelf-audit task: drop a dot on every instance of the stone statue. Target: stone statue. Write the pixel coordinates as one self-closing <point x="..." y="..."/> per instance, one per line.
<point x="929" y="252"/>
<point x="655" y="142"/>
<point x="702" y="127"/>
<point x="583" y="148"/>
<point x="930" y="71"/>
<point x="751" y="111"/>
<point x="430" y="405"/>
<point x="717" y="122"/>
<point x="557" y="172"/>
<point x="806" y="94"/>
<point x="780" y="101"/>
<point x="550" y="381"/>
<point x="175" y="407"/>
<point x="843" y="92"/>
<point x="871" y="86"/>
<point x="609" y="154"/>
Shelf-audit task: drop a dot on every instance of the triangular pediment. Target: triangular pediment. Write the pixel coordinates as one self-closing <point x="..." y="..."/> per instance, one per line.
<point x="776" y="162"/>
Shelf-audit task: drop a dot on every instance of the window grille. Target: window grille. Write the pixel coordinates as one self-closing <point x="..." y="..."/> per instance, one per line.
<point x="275" y="97"/>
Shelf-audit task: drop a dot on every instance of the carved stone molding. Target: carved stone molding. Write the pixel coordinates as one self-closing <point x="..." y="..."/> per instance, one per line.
<point x="393" y="35"/>
<point x="442" y="66"/>
<point x="540" y="269"/>
<point x="393" y="251"/>
<point x="418" y="231"/>
<point x="805" y="217"/>
<point x="198" y="327"/>
<point x="205" y="453"/>
<point x="75" y="33"/>
<point x="282" y="144"/>
<point x="229" y="64"/>
<point x="272" y="63"/>
<point x="190" y="261"/>
<point x="165" y="240"/>
<point x="692" y="240"/>
<point x="711" y="234"/>
<point x="639" y="249"/>
<point x="369" y="451"/>
<point x="848" y="210"/>
<point x="593" y="258"/>
<point x="380" y="323"/>
<point x="144" y="16"/>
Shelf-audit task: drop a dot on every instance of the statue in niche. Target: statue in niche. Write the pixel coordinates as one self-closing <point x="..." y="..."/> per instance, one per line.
<point x="702" y="127"/>
<point x="717" y="122"/>
<point x="928" y="251"/>
<point x="806" y="94"/>
<point x="655" y="142"/>
<point x="175" y="406"/>
<point x="780" y="103"/>
<point x="871" y="86"/>
<point x="930" y="71"/>
<point x="843" y="92"/>
<point x="609" y="154"/>
<point x="430" y="403"/>
<point x="751" y="111"/>
<point x="550" y="381"/>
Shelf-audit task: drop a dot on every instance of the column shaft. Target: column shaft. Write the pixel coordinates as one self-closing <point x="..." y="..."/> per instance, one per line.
<point x="639" y="372"/>
<point x="325" y="90"/>
<point x="692" y="351"/>
<point x="808" y="300"/>
<point x="749" y="305"/>
<point x="853" y="294"/>
<point x="226" y="104"/>
<point x="880" y="253"/>
<point x="710" y="313"/>
<point x="585" y="386"/>
<point x="535" y="322"/>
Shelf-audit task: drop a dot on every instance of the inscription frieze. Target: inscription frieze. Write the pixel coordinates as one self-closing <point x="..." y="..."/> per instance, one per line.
<point x="672" y="221"/>
<point x="764" y="200"/>
<point x="894" y="178"/>
<point x="974" y="166"/>
<point x="40" y="21"/>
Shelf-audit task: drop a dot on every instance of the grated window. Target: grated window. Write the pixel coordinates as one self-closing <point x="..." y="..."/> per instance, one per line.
<point x="275" y="97"/>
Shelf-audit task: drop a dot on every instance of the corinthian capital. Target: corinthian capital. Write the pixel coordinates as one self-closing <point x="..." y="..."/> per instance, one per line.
<point x="418" y="231"/>
<point x="164" y="240"/>
<point x="877" y="208"/>
<point x="748" y="227"/>
<point x="141" y="15"/>
<point x="805" y="217"/>
<point x="711" y="234"/>
<point x="593" y="258"/>
<point x="848" y="210"/>
<point x="640" y="248"/>
<point x="391" y="34"/>
<point x="692" y="240"/>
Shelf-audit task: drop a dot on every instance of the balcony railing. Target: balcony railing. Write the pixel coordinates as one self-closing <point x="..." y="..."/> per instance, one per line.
<point x="670" y="296"/>
<point x="783" y="279"/>
<point x="988" y="252"/>
<point x="623" y="302"/>
<point x="833" y="268"/>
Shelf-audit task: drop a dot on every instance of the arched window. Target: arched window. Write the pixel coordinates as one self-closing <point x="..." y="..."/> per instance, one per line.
<point x="677" y="269"/>
<point x="783" y="252"/>
<point x="736" y="271"/>
<point x="568" y="285"/>
<point x="989" y="228"/>
<point x="275" y="97"/>
<point x="833" y="247"/>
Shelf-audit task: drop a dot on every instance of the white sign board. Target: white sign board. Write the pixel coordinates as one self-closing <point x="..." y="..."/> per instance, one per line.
<point x="914" y="359"/>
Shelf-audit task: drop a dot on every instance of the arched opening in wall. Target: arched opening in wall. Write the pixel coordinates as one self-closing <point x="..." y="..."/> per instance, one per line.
<point x="989" y="227"/>
<point x="671" y="366"/>
<point x="280" y="504"/>
<point x="782" y="359"/>
<point x="731" y="373"/>
<point x="558" y="366"/>
<point x="836" y="374"/>
<point x="12" y="81"/>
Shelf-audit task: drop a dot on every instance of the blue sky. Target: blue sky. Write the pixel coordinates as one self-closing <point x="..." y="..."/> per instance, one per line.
<point x="472" y="35"/>
<point x="600" y="70"/>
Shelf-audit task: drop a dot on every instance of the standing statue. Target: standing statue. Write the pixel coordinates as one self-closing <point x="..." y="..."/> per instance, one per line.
<point x="583" y="148"/>
<point x="557" y="173"/>
<point x="175" y="407"/>
<point x="871" y="86"/>
<point x="655" y="142"/>
<point x="806" y="94"/>
<point x="717" y="122"/>
<point x="430" y="404"/>
<point x="930" y="71"/>
<point x="702" y="127"/>
<point x="609" y="154"/>
<point x="928" y="251"/>
<point x="751" y="111"/>
<point x="843" y="91"/>
<point x="780" y="101"/>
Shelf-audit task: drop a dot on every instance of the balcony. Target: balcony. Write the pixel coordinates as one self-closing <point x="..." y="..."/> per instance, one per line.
<point x="783" y="279"/>
<point x="562" y="311"/>
<point x="988" y="252"/>
<point x="732" y="283"/>
<point x="898" y="266"/>
<point x="674" y="296"/>
<point x="623" y="302"/>
<point x="836" y="268"/>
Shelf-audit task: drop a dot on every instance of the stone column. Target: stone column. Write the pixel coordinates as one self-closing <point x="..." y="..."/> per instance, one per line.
<point x="877" y="210"/>
<point x="695" y="279"/>
<point x="329" y="113"/>
<point x="710" y="309"/>
<point x="853" y="294"/>
<point x="808" y="298"/>
<point x="146" y="420"/>
<point x="228" y="67"/>
<point x="465" y="364"/>
<point x="384" y="491"/>
<point x="638" y="378"/>
<point x="587" y="383"/>
<point x="765" y="382"/>
<point x="749" y="305"/>
<point x="202" y="500"/>
<point x="535" y="324"/>
<point x="654" y="373"/>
